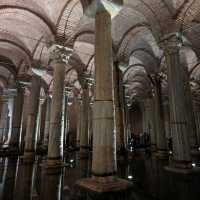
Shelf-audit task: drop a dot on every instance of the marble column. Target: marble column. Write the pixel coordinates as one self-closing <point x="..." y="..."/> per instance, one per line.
<point x="90" y="123"/>
<point x="150" y="120"/>
<point x="17" y="119"/>
<point x="47" y="122"/>
<point x="192" y="128"/>
<point x="79" y="120"/>
<point x="104" y="163"/>
<point x="67" y="93"/>
<point x="55" y="146"/>
<point x="30" y="138"/>
<point x="104" y="140"/>
<point x="178" y="111"/>
<point x="161" y="140"/>
<point x="197" y="121"/>
<point x="84" y="134"/>
<point x="118" y="112"/>
<point x="39" y="134"/>
<point x="3" y="118"/>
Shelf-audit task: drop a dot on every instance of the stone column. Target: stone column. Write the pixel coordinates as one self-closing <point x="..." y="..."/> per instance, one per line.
<point x="84" y="134"/>
<point x="104" y="140"/>
<point x="192" y="128"/>
<point x="118" y="112"/>
<point x="30" y="139"/>
<point x="178" y="111"/>
<point x="79" y="120"/>
<point x="90" y="123"/>
<point x="197" y="120"/>
<point x="65" y="115"/>
<point x="104" y="165"/>
<point x="3" y="118"/>
<point x="154" y="131"/>
<point x="39" y="135"/>
<point x="161" y="140"/>
<point x="55" y="146"/>
<point x="149" y="121"/>
<point x="17" y="119"/>
<point x="47" y="122"/>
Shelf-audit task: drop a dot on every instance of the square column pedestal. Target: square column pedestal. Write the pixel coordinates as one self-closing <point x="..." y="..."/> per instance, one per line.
<point x="103" y="185"/>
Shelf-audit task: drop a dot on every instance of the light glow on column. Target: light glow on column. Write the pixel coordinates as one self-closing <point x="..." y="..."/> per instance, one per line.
<point x="111" y="7"/>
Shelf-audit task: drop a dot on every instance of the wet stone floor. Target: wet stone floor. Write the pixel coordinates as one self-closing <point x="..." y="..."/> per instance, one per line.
<point x="20" y="181"/>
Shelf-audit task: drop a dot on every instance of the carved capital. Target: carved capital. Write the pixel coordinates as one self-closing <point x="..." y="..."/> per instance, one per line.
<point x="59" y="54"/>
<point x="171" y="43"/>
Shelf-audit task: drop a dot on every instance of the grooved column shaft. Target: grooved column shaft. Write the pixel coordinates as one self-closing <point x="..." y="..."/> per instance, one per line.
<point x="104" y="138"/>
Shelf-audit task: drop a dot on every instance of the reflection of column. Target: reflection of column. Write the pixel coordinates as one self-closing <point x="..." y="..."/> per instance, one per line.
<point x="178" y="111"/>
<point x="84" y="140"/>
<point x="24" y="181"/>
<point x="30" y="140"/>
<point x="3" y="118"/>
<point x="55" y="146"/>
<point x="17" y="119"/>
<point x="104" y="165"/>
<point x="47" y="121"/>
<point x="9" y="179"/>
<point x="160" y="126"/>
<point x="118" y="112"/>
<point x="51" y="186"/>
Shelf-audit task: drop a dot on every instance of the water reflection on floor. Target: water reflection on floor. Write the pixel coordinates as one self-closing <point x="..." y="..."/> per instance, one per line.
<point x="19" y="181"/>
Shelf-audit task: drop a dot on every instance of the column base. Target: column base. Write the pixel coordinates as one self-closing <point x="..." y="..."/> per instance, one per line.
<point x="53" y="164"/>
<point x="153" y="148"/>
<point x="28" y="157"/>
<point x="162" y="154"/>
<point x="104" y="184"/>
<point x="84" y="153"/>
<point x="195" y="152"/>
<point x="180" y="167"/>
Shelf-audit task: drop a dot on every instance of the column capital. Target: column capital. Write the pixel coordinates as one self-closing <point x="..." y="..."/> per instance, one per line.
<point x="59" y="54"/>
<point x="171" y="42"/>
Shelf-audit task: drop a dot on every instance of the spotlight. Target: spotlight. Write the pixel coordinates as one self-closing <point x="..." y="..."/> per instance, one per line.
<point x="130" y="177"/>
<point x="193" y="164"/>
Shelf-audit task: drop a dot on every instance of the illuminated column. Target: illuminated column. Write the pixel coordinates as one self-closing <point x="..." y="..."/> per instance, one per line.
<point x="79" y="120"/>
<point x="17" y="118"/>
<point x="118" y="112"/>
<point x="104" y="139"/>
<point x="84" y="136"/>
<point x="39" y="135"/>
<point x="47" y="121"/>
<point x="192" y="127"/>
<point x="30" y="138"/>
<point x="178" y="111"/>
<point x="161" y="140"/>
<point x="55" y="146"/>
<point x="104" y="163"/>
